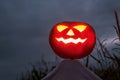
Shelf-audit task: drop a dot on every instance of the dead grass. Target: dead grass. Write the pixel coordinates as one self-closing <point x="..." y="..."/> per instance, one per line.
<point x="109" y="60"/>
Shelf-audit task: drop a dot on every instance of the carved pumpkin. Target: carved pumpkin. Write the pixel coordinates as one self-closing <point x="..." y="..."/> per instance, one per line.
<point x="72" y="40"/>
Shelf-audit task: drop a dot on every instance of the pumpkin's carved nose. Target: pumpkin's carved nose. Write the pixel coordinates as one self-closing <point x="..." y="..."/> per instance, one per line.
<point x="70" y="33"/>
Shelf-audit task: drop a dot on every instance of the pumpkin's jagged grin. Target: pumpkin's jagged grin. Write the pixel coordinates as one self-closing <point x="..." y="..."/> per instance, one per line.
<point x="71" y="40"/>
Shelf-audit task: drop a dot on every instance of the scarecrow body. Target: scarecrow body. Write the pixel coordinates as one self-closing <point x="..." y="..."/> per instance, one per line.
<point x="71" y="70"/>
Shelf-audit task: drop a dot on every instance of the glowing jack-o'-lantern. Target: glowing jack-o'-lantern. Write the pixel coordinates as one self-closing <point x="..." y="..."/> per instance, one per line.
<point x="72" y="40"/>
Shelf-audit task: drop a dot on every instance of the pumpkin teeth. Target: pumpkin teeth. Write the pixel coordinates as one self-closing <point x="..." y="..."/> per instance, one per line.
<point x="69" y="40"/>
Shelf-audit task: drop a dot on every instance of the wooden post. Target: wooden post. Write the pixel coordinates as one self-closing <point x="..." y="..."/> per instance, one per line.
<point x="71" y="70"/>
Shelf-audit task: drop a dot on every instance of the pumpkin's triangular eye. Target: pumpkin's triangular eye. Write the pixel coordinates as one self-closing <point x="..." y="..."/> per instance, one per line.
<point x="80" y="28"/>
<point x="60" y="28"/>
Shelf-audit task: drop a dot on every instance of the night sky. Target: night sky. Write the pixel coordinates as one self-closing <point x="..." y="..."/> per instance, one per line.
<point x="25" y="27"/>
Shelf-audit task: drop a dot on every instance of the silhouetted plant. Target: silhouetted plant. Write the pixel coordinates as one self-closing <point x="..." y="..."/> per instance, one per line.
<point x="108" y="58"/>
<point x="38" y="71"/>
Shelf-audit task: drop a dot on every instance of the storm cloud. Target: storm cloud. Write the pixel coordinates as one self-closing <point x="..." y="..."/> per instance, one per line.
<point x="25" y="26"/>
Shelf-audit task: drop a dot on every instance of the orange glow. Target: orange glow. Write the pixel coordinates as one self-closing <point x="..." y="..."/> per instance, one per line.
<point x="71" y="40"/>
<point x="80" y="28"/>
<point x="70" y="33"/>
<point x="60" y="28"/>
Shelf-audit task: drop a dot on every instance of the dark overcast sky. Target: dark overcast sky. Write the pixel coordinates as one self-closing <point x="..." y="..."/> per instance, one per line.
<point x="25" y="26"/>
